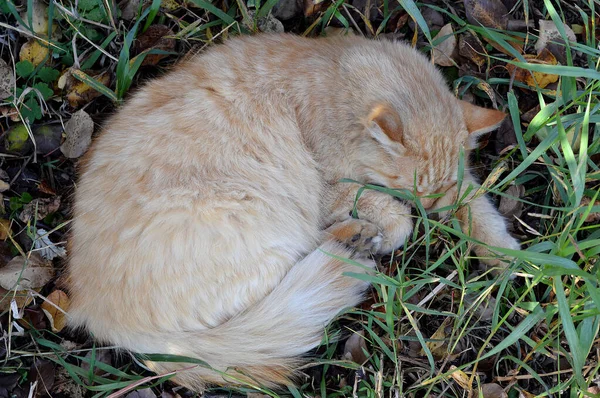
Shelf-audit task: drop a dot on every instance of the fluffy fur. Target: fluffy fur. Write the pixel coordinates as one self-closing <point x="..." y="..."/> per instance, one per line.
<point x="209" y="206"/>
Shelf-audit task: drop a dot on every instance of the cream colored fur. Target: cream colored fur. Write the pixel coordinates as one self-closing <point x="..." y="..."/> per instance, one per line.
<point x="208" y="204"/>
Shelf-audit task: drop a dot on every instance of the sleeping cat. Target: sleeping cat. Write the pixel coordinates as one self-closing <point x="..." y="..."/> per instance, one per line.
<point x="209" y="220"/>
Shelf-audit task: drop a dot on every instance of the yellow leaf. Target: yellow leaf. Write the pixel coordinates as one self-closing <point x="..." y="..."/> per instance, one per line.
<point x="4" y="229"/>
<point x="439" y="347"/>
<point x="57" y="318"/>
<point x="532" y="78"/>
<point x="461" y="378"/>
<point x="34" y="52"/>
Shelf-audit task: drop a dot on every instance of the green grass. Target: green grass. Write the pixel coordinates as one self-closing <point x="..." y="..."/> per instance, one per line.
<point x="537" y="334"/>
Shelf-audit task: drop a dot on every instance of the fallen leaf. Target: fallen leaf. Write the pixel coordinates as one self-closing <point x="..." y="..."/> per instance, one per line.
<point x="143" y="393"/>
<point x="288" y="9"/>
<point x="439" y="345"/>
<point x="551" y="39"/>
<point x="470" y="47"/>
<point x="100" y="355"/>
<point x="511" y="206"/>
<point x="593" y="216"/>
<point x="33" y="318"/>
<point x="312" y="7"/>
<point x="493" y="390"/>
<point x="45" y="247"/>
<point x="444" y="51"/>
<point x="22" y="298"/>
<point x="7" y="80"/>
<point x="5" y="230"/>
<point x="39" y="17"/>
<point x="78" y="92"/>
<point x="79" y="130"/>
<point x="489" y="13"/>
<point x="461" y="378"/>
<point x="57" y="318"/>
<point x="155" y="37"/>
<point x="21" y="273"/>
<point x="34" y="52"/>
<point x="38" y="209"/>
<point x="129" y="9"/>
<point x="17" y="139"/>
<point x="355" y="348"/>
<point x="535" y="78"/>
<point x="47" y="138"/>
<point x="170" y="5"/>
<point x="10" y="112"/>
<point x="433" y="18"/>
<point x="42" y="372"/>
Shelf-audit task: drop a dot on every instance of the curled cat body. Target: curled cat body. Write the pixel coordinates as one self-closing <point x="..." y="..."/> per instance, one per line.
<point x="209" y="218"/>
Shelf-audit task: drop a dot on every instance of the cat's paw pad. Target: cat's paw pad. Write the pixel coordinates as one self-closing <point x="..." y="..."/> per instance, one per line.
<point x="360" y="235"/>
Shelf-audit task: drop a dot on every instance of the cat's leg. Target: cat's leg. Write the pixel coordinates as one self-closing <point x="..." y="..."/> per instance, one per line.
<point x="481" y="220"/>
<point x="389" y="214"/>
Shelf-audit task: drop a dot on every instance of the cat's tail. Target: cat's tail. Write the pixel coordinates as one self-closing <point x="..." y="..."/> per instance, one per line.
<point x="263" y="345"/>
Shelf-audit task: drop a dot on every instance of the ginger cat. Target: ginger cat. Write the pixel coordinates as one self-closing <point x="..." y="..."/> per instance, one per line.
<point x="209" y="207"/>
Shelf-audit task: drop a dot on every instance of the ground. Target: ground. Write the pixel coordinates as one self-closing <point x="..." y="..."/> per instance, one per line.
<point x="434" y="323"/>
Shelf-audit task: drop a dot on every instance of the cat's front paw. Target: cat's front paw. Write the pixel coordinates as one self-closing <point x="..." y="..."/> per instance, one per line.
<point x="360" y="235"/>
<point x="391" y="215"/>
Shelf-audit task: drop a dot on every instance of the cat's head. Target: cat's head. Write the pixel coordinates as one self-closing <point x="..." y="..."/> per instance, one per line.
<point x="425" y="156"/>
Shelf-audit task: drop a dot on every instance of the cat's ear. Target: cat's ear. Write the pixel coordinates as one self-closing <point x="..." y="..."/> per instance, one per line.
<point x="384" y="124"/>
<point x="480" y="120"/>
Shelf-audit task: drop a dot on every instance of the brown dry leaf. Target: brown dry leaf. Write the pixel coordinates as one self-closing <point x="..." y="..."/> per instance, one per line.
<point x="7" y="80"/>
<point x="470" y="47"/>
<point x="594" y="390"/>
<point x="44" y="206"/>
<point x="433" y="18"/>
<point x="551" y="40"/>
<point x="593" y="216"/>
<point x="155" y="37"/>
<point x="22" y="298"/>
<point x="444" y="52"/>
<point x="533" y="78"/>
<point x="10" y="112"/>
<point x="102" y="355"/>
<point x="511" y="206"/>
<point x="355" y="348"/>
<point x="34" y="52"/>
<point x="21" y="273"/>
<point x="5" y="231"/>
<point x="493" y="390"/>
<point x="439" y="347"/>
<point x="4" y="185"/>
<point x="489" y="13"/>
<point x="57" y="318"/>
<point x="461" y="378"/>
<point x="79" y="93"/>
<point x="42" y="372"/>
<point x="79" y="130"/>
<point x="312" y="7"/>
<point x="129" y="9"/>
<point x="143" y="393"/>
<point x="517" y="43"/>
